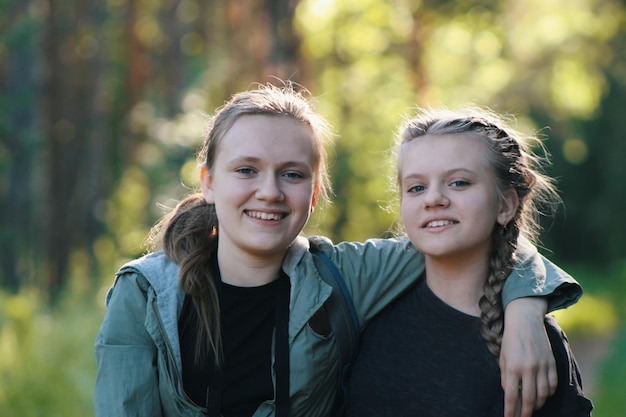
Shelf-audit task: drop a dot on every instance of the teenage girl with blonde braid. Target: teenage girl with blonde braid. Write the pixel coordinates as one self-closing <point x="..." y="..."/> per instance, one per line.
<point x="218" y="323"/>
<point x="470" y="188"/>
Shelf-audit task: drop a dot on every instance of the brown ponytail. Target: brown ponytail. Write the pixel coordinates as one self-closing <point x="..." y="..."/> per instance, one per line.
<point x="189" y="234"/>
<point x="190" y="240"/>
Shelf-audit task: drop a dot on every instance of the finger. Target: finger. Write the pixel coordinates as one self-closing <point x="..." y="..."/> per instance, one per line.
<point x="550" y="372"/>
<point x="547" y="382"/>
<point x="518" y="406"/>
<point x="553" y="378"/>
<point x="511" y="396"/>
<point x="503" y="374"/>
<point x="543" y="389"/>
<point x="529" y="395"/>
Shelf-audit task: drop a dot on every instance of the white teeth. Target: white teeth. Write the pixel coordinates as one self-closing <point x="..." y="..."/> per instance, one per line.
<point x="439" y="223"/>
<point x="265" y="216"/>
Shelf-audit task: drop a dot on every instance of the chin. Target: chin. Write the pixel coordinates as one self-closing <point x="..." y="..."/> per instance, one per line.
<point x="438" y="252"/>
<point x="268" y="245"/>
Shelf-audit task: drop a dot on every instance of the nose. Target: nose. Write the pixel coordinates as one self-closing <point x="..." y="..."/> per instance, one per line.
<point x="270" y="189"/>
<point x="435" y="197"/>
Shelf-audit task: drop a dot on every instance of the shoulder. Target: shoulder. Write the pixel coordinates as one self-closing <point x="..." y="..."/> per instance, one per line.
<point x="373" y="257"/>
<point x="401" y="245"/>
<point x="555" y="332"/>
<point x="558" y="340"/>
<point x="365" y="262"/>
<point x="154" y="270"/>
<point x="151" y="263"/>
<point x="352" y="258"/>
<point x="561" y="349"/>
<point x="569" y="400"/>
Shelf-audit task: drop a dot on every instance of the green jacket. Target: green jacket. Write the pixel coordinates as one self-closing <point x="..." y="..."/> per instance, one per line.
<point x="137" y="348"/>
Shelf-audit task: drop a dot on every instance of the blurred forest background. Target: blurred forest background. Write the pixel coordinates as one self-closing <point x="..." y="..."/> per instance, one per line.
<point x="104" y="103"/>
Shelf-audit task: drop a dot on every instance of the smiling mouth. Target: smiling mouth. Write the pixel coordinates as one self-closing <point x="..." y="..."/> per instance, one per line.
<point x="263" y="215"/>
<point x="439" y="223"/>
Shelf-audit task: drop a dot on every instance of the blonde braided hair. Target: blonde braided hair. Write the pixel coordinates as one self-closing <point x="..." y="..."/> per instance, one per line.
<point x="516" y="168"/>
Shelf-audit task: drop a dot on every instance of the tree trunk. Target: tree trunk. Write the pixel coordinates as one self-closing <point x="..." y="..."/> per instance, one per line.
<point x="283" y="61"/>
<point x="68" y="114"/>
<point x="17" y="139"/>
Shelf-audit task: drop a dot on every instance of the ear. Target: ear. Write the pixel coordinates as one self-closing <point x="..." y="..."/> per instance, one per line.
<point x="315" y="197"/>
<point x="206" y="183"/>
<point x="508" y="206"/>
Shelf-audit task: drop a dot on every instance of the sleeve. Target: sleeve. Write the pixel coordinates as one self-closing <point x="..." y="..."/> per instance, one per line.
<point x="377" y="271"/>
<point x="126" y="381"/>
<point x="536" y="276"/>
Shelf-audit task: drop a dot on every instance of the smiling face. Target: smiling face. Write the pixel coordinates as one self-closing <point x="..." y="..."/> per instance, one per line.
<point x="450" y="202"/>
<point x="262" y="184"/>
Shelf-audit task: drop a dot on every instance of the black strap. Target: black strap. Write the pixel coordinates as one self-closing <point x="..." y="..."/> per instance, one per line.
<point x="344" y="320"/>
<point x="281" y="348"/>
<point x="214" y="387"/>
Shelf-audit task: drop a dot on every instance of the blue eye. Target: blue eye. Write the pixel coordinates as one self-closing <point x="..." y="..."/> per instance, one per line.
<point x="293" y="175"/>
<point x="416" y="189"/>
<point x="459" y="183"/>
<point x="245" y="171"/>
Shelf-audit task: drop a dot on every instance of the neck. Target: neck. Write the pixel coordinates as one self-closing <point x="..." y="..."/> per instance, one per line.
<point x="458" y="282"/>
<point x="244" y="270"/>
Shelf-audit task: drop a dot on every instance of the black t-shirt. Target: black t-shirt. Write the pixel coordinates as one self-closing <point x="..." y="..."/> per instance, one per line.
<point x="248" y="318"/>
<point x="421" y="357"/>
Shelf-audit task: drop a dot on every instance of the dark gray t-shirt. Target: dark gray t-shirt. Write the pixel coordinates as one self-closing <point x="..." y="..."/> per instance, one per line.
<point x="422" y="358"/>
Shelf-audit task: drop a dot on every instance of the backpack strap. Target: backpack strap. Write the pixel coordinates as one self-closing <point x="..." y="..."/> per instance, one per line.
<point x="343" y="318"/>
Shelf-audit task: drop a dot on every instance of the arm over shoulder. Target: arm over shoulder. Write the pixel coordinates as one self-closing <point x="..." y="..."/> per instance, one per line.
<point x="375" y="271"/>
<point x="536" y="276"/>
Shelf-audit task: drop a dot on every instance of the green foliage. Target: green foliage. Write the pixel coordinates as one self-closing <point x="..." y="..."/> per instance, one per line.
<point x="592" y="316"/>
<point x="600" y="316"/>
<point x="365" y="84"/>
<point x="375" y="60"/>
<point x="47" y="366"/>
<point x="609" y="400"/>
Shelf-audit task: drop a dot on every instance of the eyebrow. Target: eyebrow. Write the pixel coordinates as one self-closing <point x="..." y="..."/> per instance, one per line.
<point x="240" y="159"/>
<point x="254" y="159"/>
<point x="449" y="172"/>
